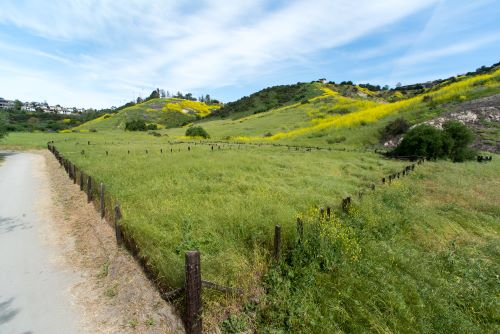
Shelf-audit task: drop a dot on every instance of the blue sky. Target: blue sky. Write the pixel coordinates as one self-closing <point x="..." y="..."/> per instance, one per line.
<point x="102" y="53"/>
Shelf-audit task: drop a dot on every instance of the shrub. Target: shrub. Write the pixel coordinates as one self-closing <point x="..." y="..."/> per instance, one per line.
<point x="336" y="140"/>
<point x="152" y="126"/>
<point x="135" y="125"/>
<point x="425" y="141"/>
<point x="395" y="128"/>
<point x="93" y="130"/>
<point x="197" y="131"/>
<point x="461" y="137"/>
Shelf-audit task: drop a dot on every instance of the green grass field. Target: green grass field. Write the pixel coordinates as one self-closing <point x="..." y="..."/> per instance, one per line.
<point x="419" y="256"/>
<point x="224" y="202"/>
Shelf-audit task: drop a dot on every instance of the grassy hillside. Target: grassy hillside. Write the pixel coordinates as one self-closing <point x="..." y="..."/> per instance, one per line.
<point x="165" y="112"/>
<point x="321" y="114"/>
<point x="333" y="119"/>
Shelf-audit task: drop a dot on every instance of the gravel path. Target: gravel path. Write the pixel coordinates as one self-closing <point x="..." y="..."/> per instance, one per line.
<point x="34" y="289"/>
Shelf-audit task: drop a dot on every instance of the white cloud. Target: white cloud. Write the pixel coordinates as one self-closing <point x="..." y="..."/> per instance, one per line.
<point x="431" y="55"/>
<point x="451" y="32"/>
<point x="142" y="44"/>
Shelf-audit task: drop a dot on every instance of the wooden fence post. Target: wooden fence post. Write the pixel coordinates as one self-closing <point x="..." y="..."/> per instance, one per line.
<point x="118" y="229"/>
<point x="277" y="242"/>
<point x="328" y="212"/>
<point x="300" y="229"/>
<point x="74" y="174"/>
<point x="346" y="202"/>
<point x="89" y="189"/>
<point x="193" y="293"/>
<point x="101" y="199"/>
<point x="81" y="180"/>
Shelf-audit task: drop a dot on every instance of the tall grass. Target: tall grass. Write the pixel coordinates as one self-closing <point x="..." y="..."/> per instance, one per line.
<point x="420" y="256"/>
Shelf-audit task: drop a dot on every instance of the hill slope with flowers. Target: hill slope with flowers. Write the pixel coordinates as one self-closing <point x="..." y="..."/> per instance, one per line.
<point x="164" y="112"/>
<point x="347" y="115"/>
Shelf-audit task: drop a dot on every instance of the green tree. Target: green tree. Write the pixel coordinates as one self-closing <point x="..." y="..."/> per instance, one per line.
<point x="154" y="94"/>
<point x="3" y="127"/>
<point x="17" y="105"/>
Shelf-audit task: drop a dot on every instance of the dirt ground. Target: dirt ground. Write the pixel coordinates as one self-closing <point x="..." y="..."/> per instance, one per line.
<point x="113" y="293"/>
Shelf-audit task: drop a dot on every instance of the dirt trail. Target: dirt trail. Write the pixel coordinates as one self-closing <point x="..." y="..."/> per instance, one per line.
<point x="105" y="291"/>
<point x="34" y="290"/>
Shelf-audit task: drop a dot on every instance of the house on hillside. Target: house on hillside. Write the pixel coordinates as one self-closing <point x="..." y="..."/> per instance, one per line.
<point x="27" y="106"/>
<point x="4" y="104"/>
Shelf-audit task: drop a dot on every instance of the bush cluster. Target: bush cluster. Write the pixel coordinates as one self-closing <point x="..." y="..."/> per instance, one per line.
<point x="197" y="131"/>
<point x="139" y="125"/>
<point x="427" y="141"/>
